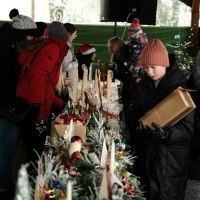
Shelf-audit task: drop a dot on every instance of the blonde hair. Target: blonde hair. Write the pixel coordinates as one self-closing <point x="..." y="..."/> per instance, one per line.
<point x="117" y="42"/>
<point x="60" y="85"/>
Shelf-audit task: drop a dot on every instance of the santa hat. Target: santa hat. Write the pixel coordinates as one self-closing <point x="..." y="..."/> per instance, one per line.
<point x="86" y="49"/>
<point x="134" y="27"/>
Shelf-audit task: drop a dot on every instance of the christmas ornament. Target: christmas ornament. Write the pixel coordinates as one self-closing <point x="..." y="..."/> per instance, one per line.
<point x="117" y="142"/>
<point x="40" y="127"/>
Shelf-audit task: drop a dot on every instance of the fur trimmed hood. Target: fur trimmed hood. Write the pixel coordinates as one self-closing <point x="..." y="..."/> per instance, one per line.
<point x="30" y="45"/>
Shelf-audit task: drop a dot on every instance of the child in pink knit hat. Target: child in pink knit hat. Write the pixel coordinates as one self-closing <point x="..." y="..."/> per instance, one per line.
<point x="134" y="27"/>
<point x="137" y="42"/>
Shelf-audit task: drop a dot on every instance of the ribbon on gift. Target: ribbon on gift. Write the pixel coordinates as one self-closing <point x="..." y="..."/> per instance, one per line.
<point x="67" y="118"/>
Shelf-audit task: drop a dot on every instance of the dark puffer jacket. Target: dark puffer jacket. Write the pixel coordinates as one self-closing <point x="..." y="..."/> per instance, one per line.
<point x="194" y="84"/>
<point x="162" y="165"/>
<point x="9" y="66"/>
<point x="120" y="58"/>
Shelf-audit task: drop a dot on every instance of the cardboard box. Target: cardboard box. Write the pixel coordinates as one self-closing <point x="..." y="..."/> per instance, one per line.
<point x="79" y="130"/>
<point x="170" y="110"/>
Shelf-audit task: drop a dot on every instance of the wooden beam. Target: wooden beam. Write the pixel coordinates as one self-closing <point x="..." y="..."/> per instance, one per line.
<point x="194" y="31"/>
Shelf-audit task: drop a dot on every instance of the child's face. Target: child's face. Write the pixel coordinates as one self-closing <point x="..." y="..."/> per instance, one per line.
<point x="155" y="72"/>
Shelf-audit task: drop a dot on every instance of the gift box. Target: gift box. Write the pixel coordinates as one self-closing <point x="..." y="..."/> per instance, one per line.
<point x="79" y="130"/>
<point x="61" y="124"/>
<point x="170" y="110"/>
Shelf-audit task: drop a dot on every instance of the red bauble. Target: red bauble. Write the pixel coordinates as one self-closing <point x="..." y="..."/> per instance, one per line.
<point x="76" y="155"/>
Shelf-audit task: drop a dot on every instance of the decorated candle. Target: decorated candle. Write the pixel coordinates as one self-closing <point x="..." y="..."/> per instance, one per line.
<point x="75" y="146"/>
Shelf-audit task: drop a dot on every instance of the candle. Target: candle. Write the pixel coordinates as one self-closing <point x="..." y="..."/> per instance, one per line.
<point x="75" y="145"/>
<point x="75" y="85"/>
<point x="112" y="157"/>
<point x="109" y="81"/>
<point x="97" y="80"/>
<point x="71" y="129"/>
<point x="69" y="190"/>
<point x="84" y="85"/>
<point x="90" y="73"/>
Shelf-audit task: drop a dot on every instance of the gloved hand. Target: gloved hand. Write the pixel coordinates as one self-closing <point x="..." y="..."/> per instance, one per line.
<point x="158" y="132"/>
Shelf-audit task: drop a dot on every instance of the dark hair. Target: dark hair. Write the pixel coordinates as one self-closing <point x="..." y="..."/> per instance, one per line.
<point x="41" y="26"/>
<point x="83" y="59"/>
<point x="69" y="27"/>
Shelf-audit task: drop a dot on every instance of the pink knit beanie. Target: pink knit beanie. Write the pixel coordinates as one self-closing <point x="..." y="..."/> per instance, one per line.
<point x="134" y="27"/>
<point x="155" y="53"/>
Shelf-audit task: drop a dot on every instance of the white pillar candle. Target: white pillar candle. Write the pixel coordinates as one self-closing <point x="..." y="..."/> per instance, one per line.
<point x="69" y="190"/>
<point x="112" y="157"/>
<point x="84" y="85"/>
<point x="97" y="80"/>
<point x="75" y="85"/>
<point x="90" y="73"/>
<point x="74" y="147"/>
<point x="109" y="81"/>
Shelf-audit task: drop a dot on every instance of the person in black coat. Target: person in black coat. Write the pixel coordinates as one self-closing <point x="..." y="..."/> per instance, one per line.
<point x="10" y="67"/>
<point x="121" y="71"/>
<point x="194" y="84"/>
<point x="9" y="71"/>
<point x="162" y="153"/>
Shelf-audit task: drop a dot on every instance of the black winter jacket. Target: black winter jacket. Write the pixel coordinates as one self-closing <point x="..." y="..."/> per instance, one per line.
<point x="122" y="72"/>
<point x="9" y="66"/>
<point x="162" y="165"/>
<point x="194" y="84"/>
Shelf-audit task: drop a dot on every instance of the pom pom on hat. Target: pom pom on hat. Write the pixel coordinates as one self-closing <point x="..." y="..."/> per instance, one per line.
<point x="134" y="27"/>
<point x="86" y="49"/>
<point x="14" y="12"/>
<point x="24" y="26"/>
<point x="56" y="29"/>
<point x="155" y="53"/>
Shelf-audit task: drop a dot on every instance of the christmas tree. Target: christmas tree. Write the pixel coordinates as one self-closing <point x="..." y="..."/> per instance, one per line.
<point x="182" y="54"/>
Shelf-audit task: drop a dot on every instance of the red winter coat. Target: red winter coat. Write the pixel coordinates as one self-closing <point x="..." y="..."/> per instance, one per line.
<point x="37" y="85"/>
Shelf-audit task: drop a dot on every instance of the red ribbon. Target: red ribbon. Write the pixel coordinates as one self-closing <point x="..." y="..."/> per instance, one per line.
<point x="82" y="118"/>
<point x="68" y="118"/>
